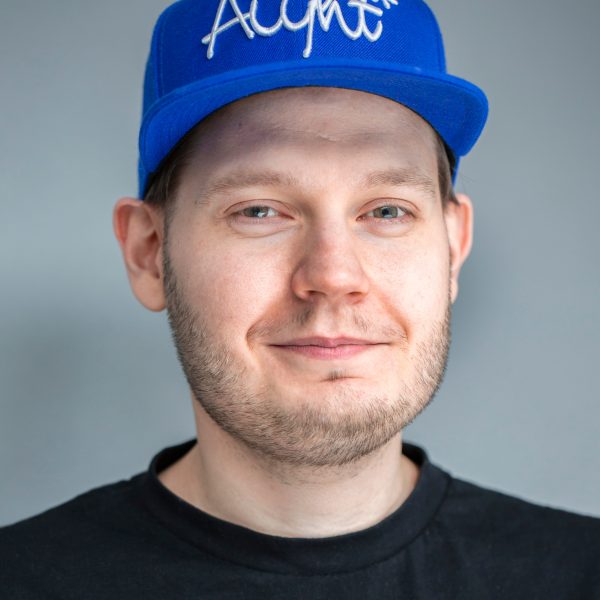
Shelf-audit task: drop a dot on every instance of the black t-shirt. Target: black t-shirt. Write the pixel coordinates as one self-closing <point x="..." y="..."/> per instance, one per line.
<point x="450" y="539"/>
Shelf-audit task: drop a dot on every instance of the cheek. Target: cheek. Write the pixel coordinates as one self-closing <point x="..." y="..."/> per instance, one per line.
<point x="414" y="279"/>
<point x="227" y="285"/>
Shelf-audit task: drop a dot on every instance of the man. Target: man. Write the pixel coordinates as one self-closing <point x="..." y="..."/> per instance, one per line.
<point x="299" y="225"/>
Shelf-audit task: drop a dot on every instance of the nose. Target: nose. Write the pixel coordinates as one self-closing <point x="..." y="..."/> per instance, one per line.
<point x="330" y="268"/>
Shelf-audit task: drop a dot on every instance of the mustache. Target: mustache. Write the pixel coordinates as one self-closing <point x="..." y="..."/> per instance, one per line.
<point x="297" y="324"/>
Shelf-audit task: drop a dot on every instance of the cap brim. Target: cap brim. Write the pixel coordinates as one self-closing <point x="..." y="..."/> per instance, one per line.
<point x="455" y="108"/>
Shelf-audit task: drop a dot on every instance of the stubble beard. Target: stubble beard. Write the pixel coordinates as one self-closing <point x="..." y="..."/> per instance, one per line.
<point x="310" y="434"/>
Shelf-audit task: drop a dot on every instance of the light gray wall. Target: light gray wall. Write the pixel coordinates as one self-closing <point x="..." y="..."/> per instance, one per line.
<point x="90" y="386"/>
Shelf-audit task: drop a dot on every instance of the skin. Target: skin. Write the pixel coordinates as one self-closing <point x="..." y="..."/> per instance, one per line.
<point x="297" y="440"/>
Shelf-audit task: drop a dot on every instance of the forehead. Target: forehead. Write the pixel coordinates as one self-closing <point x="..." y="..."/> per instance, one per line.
<point x="334" y="114"/>
<point x="338" y="126"/>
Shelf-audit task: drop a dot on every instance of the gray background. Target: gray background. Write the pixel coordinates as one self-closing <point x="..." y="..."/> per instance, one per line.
<point x="90" y="386"/>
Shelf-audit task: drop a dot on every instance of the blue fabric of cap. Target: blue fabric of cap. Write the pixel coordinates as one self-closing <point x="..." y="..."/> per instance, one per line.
<point x="208" y="53"/>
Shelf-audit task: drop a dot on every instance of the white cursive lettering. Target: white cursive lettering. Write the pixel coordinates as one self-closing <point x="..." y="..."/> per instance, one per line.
<point x="317" y="11"/>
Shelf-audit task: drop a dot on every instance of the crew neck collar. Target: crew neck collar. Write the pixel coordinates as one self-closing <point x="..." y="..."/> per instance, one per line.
<point x="346" y="552"/>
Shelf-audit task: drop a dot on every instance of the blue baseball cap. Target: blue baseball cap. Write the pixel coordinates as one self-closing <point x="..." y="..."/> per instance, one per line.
<point x="208" y="53"/>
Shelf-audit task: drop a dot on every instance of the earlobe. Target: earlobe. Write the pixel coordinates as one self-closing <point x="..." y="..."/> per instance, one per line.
<point x="459" y="225"/>
<point x="138" y="229"/>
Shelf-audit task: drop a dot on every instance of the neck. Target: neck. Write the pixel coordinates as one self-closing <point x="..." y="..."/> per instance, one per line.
<point x="222" y="477"/>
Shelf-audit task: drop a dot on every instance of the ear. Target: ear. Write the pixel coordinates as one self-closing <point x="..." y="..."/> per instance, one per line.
<point x="139" y="231"/>
<point x="459" y="225"/>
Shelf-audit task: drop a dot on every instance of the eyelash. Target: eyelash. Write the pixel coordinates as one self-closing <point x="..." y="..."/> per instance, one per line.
<point x="405" y="211"/>
<point x="240" y="216"/>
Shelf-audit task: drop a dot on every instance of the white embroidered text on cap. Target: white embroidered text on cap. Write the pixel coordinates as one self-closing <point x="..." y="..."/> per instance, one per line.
<point x="322" y="10"/>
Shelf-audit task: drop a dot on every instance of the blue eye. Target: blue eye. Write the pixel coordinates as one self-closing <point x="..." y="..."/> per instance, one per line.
<point x="388" y="212"/>
<point x="258" y="212"/>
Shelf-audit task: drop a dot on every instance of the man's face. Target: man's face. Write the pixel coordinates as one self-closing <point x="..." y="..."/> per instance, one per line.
<point x="307" y="273"/>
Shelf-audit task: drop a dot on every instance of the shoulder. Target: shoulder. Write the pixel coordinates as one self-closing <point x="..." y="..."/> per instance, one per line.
<point x="83" y="510"/>
<point x="507" y="528"/>
<point x="41" y="547"/>
<point x="494" y="507"/>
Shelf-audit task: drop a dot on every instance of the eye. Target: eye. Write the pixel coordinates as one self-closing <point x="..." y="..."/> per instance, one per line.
<point x="258" y="212"/>
<point x="387" y="212"/>
<point x="259" y="219"/>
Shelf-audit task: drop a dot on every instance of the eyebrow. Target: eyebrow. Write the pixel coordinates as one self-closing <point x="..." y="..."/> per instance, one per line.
<point x="399" y="177"/>
<point x="245" y="179"/>
<point x="403" y="177"/>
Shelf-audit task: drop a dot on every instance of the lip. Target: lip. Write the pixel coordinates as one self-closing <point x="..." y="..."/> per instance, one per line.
<point x="325" y="348"/>
<point x="328" y="342"/>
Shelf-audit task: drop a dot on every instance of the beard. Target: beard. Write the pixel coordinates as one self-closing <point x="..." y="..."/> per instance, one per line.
<point x="340" y="428"/>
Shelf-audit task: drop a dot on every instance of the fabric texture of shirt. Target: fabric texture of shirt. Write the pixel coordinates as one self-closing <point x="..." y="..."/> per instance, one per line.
<point x="449" y="540"/>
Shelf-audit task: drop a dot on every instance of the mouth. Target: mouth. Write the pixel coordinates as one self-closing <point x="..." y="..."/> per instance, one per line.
<point x="323" y="348"/>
